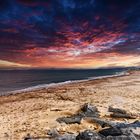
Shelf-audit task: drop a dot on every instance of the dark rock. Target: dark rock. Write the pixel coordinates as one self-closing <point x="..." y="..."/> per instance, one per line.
<point x="107" y="134"/>
<point x="116" y="110"/>
<point x="116" y="130"/>
<point x="128" y="125"/>
<point x="70" y="120"/>
<point x="54" y="134"/>
<point x="107" y="123"/>
<point x="122" y="137"/>
<point x="66" y="137"/>
<point x="86" y="111"/>
<point x="119" y="115"/>
<point x="89" y="111"/>
<point x="129" y="133"/>
<point x="89" y="135"/>
<point x="118" y="134"/>
<point x="103" y="123"/>
<point x="111" y="132"/>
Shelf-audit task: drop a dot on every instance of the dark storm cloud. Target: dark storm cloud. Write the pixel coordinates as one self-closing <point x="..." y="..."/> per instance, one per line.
<point x="28" y="24"/>
<point x="4" y="4"/>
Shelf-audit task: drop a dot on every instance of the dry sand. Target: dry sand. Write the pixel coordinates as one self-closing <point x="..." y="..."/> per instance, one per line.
<point x="35" y="112"/>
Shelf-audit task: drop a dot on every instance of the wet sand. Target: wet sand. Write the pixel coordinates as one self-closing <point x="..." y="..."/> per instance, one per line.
<point x="35" y="112"/>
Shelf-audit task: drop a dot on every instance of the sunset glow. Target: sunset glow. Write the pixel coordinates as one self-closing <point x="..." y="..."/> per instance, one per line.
<point x="69" y="33"/>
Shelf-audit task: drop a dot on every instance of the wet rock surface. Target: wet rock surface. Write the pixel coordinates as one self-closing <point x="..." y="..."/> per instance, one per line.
<point x="110" y="130"/>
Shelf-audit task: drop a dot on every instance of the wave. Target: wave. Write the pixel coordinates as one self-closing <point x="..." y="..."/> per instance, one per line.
<point x="46" y="86"/>
<point x="117" y="74"/>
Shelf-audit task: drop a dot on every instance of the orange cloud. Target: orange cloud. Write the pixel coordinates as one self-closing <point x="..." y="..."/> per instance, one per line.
<point x="7" y="64"/>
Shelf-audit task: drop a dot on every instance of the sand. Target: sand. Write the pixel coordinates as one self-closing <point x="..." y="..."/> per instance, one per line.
<point x="35" y="112"/>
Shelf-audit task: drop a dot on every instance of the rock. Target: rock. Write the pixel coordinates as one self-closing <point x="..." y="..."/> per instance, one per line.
<point x="118" y="134"/>
<point x="122" y="137"/>
<point x="116" y="110"/>
<point x="119" y="115"/>
<point x="89" y="111"/>
<point x="128" y="125"/>
<point x="86" y="111"/>
<point x="129" y="133"/>
<point x="111" y="132"/>
<point x="103" y="123"/>
<point x="66" y="137"/>
<point x="54" y="134"/>
<point x="106" y="123"/>
<point x="70" y="120"/>
<point x="116" y="130"/>
<point x="88" y="135"/>
<point x="107" y="134"/>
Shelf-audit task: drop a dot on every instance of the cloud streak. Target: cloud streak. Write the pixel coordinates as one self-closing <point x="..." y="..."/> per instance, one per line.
<point x="70" y="33"/>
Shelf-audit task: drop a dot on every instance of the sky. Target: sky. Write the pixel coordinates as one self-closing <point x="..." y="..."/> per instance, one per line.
<point x="69" y="33"/>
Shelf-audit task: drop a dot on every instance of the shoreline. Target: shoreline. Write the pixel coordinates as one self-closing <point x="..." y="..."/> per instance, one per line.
<point x="35" y="112"/>
<point x="51" y="85"/>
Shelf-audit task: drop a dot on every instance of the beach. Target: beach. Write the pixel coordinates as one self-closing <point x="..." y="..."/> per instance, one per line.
<point x="35" y="112"/>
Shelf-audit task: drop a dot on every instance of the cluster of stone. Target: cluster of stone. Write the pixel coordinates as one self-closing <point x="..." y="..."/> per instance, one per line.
<point x="111" y="130"/>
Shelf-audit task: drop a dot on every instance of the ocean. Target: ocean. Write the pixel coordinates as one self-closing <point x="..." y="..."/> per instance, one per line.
<point x="13" y="80"/>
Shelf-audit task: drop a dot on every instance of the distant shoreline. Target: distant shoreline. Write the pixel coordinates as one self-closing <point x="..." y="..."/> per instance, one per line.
<point x="51" y="85"/>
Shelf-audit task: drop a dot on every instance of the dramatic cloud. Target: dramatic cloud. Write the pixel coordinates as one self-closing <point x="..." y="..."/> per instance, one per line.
<point x="70" y="33"/>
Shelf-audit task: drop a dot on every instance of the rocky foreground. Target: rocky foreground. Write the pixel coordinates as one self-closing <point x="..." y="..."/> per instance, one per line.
<point x="110" y="130"/>
<point x="57" y="112"/>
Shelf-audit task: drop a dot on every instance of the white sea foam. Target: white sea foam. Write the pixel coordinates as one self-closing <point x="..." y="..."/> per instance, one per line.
<point x="109" y="76"/>
<point x="46" y="86"/>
